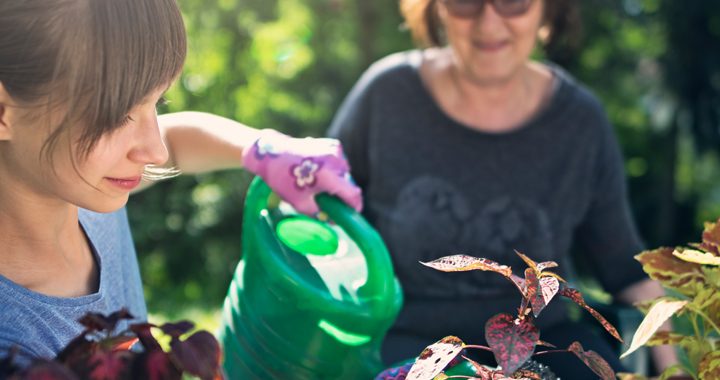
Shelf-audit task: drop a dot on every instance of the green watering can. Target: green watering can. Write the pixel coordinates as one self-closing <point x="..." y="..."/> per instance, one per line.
<point x="309" y="299"/>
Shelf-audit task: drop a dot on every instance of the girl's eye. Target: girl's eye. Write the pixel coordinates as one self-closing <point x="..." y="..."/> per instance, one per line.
<point x="127" y="119"/>
<point x="161" y="102"/>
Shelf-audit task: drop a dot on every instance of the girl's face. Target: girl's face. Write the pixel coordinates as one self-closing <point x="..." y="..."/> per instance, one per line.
<point x="103" y="180"/>
<point x="488" y="47"/>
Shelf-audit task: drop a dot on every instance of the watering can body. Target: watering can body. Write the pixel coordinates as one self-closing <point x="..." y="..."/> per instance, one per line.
<point x="309" y="299"/>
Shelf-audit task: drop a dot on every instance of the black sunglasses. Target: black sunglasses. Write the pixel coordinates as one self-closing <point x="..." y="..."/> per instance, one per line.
<point x="473" y="8"/>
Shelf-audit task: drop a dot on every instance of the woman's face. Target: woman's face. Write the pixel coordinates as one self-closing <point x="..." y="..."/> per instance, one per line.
<point x="101" y="182"/>
<point x="489" y="48"/>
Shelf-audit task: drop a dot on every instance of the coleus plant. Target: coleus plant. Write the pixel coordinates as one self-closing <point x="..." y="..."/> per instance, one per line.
<point x="98" y="354"/>
<point x="693" y="276"/>
<point x="511" y="338"/>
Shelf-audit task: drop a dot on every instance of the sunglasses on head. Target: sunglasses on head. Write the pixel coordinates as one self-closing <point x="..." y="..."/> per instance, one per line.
<point x="473" y="8"/>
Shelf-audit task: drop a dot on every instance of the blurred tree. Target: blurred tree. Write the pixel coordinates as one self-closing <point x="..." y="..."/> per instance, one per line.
<point x="287" y="64"/>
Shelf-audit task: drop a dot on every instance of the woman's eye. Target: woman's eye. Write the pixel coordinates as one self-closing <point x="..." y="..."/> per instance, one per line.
<point x="161" y="102"/>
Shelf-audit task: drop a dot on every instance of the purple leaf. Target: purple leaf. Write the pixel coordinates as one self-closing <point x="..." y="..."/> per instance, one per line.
<point x="511" y="340"/>
<point x="176" y="329"/>
<point x="47" y="370"/>
<point x="593" y="360"/>
<point x="155" y="365"/>
<point x="199" y="355"/>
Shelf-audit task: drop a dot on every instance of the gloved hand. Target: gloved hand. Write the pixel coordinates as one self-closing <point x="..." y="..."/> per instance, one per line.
<point x="298" y="169"/>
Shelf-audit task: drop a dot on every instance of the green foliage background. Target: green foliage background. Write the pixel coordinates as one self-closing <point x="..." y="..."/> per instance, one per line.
<point x="287" y="64"/>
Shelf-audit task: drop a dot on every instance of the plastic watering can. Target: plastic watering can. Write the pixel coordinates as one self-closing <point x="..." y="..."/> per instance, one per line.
<point x="309" y="299"/>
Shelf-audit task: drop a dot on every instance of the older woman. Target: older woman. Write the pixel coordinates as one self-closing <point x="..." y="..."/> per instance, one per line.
<point x="470" y="146"/>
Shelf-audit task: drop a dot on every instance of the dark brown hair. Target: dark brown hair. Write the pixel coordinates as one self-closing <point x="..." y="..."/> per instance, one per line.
<point x="422" y="19"/>
<point x="92" y="59"/>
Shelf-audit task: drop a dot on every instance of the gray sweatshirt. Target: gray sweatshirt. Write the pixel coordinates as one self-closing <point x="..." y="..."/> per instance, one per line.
<point x="434" y="187"/>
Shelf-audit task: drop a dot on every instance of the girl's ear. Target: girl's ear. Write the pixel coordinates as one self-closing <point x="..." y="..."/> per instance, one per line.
<point x="5" y="111"/>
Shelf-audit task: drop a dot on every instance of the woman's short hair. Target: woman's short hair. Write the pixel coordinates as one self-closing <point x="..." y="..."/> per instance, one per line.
<point x="91" y="60"/>
<point x="421" y="17"/>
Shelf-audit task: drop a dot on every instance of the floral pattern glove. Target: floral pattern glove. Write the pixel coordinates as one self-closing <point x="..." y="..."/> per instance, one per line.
<point x="298" y="169"/>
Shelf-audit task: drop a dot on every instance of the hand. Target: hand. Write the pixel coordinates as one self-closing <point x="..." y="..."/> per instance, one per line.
<point x="299" y="169"/>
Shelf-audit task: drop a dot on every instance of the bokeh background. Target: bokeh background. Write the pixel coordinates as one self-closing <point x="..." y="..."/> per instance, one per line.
<point x="287" y="64"/>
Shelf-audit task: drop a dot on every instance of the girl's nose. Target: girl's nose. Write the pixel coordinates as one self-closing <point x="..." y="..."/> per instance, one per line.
<point x="149" y="148"/>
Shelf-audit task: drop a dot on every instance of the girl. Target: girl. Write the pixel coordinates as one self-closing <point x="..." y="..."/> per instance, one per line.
<point x="79" y="81"/>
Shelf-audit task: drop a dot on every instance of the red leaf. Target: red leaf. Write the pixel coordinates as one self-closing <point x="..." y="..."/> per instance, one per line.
<point x="531" y="292"/>
<point x="198" y="355"/>
<point x="100" y="322"/>
<point x="47" y="370"/>
<point x="144" y="334"/>
<point x="108" y="365"/>
<point x="577" y="297"/>
<point x="176" y="329"/>
<point x="77" y="351"/>
<point x="594" y="361"/>
<point x="511" y="340"/>
<point x="155" y="365"/>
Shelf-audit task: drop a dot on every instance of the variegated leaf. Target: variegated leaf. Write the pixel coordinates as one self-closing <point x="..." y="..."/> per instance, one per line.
<point x="512" y="341"/>
<point x="711" y="238"/>
<point x="662" y="338"/>
<point x="657" y="315"/>
<point x="577" y="297"/>
<point x="594" y="361"/>
<point x="709" y="368"/>
<point x="434" y="358"/>
<point x="545" y="265"/>
<point x="463" y="263"/>
<point x="532" y="292"/>
<point x="630" y="376"/>
<point x="660" y="264"/>
<point x="698" y="257"/>
<point x="519" y="283"/>
<point x="549" y="287"/>
<point x="532" y="264"/>
<point x="481" y="371"/>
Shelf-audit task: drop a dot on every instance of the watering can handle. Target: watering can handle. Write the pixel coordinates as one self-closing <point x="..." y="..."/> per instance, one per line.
<point x="356" y="227"/>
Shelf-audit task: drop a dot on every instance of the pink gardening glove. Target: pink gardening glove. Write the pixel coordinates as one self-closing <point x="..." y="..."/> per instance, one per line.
<point x="299" y="169"/>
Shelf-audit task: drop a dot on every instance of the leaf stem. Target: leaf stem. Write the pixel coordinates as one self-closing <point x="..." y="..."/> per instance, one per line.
<point x="705" y="317"/>
<point x="486" y="348"/>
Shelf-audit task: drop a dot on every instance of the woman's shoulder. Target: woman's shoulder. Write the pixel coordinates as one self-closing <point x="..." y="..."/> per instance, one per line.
<point x="402" y="65"/>
<point x="570" y="89"/>
<point x="574" y="103"/>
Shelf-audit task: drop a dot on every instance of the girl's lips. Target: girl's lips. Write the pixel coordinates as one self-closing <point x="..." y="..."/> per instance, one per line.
<point x="125" y="183"/>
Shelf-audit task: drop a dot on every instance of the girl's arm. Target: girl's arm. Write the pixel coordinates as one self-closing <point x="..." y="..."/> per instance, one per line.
<point x="201" y="142"/>
<point x="297" y="169"/>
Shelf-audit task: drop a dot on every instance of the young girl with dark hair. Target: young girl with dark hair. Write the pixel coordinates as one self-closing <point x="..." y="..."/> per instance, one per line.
<point x="79" y="83"/>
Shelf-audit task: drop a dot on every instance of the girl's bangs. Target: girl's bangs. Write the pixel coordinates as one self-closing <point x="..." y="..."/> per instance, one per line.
<point x="134" y="47"/>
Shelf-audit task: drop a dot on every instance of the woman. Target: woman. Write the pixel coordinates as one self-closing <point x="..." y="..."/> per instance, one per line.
<point x="469" y="146"/>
